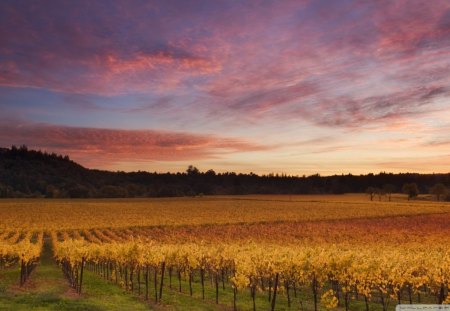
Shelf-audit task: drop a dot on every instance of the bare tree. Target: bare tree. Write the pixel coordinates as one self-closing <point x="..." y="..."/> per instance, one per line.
<point x="380" y="192"/>
<point x="438" y="190"/>
<point x="371" y="192"/>
<point x="389" y="189"/>
<point x="411" y="190"/>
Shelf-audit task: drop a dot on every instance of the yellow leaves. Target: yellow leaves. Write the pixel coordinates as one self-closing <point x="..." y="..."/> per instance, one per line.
<point x="25" y="249"/>
<point x="74" y="250"/>
<point x="240" y="281"/>
<point x="447" y="300"/>
<point x="329" y="299"/>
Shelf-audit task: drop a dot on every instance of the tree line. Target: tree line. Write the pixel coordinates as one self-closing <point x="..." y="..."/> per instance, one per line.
<point x="34" y="173"/>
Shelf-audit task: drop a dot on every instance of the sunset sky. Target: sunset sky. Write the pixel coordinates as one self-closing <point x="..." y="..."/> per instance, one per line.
<point x="296" y="87"/>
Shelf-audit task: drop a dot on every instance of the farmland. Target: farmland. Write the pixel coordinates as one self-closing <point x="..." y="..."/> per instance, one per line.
<point x="118" y="213"/>
<point x="224" y="253"/>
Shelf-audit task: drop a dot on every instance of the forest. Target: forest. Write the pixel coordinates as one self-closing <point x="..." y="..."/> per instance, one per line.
<point x="35" y="173"/>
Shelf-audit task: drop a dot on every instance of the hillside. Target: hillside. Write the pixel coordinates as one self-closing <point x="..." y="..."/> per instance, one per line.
<point x="31" y="173"/>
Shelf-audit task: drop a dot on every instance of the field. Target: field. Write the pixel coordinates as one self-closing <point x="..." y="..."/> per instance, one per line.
<point x="223" y="253"/>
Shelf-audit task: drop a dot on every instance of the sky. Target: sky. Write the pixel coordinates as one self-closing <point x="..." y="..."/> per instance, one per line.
<point x="295" y="87"/>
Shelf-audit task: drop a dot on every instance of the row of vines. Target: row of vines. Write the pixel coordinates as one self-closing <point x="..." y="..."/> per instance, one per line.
<point x="332" y="275"/>
<point x="20" y="249"/>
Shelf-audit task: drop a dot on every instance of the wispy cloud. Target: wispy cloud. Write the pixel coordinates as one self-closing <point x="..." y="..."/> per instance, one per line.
<point x="270" y="68"/>
<point x="97" y="147"/>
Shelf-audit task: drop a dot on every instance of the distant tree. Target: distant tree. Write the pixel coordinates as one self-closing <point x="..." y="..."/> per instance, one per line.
<point x="110" y="191"/>
<point x="6" y="191"/>
<point x="447" y="197"/>
<point x="36" y="194"/>
<point x="411" y="190"/>
<point x="165" y="191"/>
<point x="371" y="192"/>
<point x="210" y="173"/>
<point x="389" y="189"/>
<point x="439" y="190"/>
<point x="135" y="190"/>
<point x="380" y="192"/>
<point x="79" y="191"/>
<point x="52" y="191"/>
<point x="192" y="170"/>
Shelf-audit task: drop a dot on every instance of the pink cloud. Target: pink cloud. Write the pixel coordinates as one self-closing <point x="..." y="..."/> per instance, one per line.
<point x="96" y="147"/>
<point x="408" y="27"/>
<point x="109" y="74"/>
<point x="332" y="64"/>
<point x="81" y="48"/>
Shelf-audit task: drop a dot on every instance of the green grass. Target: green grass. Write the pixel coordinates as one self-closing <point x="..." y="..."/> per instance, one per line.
<point x="48" y="291"/>
<point x="174" y="300"/>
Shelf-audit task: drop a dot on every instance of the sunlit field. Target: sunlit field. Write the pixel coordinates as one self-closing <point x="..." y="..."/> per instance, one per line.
<point x="255" y="252"/>
<point x="119" y="213"/>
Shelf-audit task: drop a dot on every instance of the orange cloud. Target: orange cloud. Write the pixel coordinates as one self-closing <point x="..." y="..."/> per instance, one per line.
<point x="95" y="147"/>
<point x="115" y="65"/>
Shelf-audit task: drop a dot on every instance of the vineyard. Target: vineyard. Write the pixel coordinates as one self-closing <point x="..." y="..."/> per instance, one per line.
<point x="240" y="253"/>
